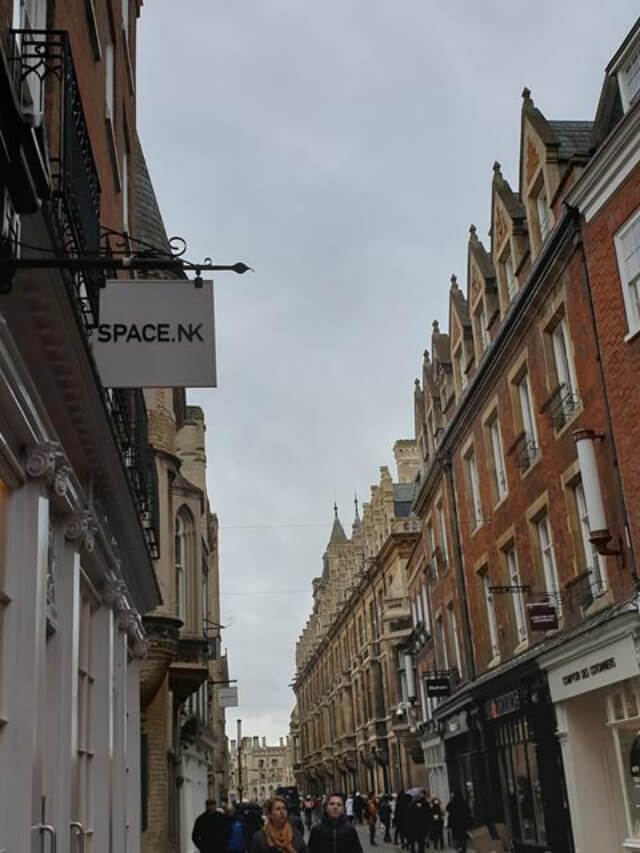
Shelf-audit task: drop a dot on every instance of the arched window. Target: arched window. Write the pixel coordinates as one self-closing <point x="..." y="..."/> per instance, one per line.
<point x="181" y="552"/>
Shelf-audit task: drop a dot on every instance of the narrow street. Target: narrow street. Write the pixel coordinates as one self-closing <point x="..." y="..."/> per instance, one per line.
<point x="385" y="846"/>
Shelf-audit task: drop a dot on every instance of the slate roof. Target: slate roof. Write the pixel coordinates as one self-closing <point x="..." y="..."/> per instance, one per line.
<point x="149" y="223"/>
<point x="404" y="495"/>
<point x="574" y="137"/>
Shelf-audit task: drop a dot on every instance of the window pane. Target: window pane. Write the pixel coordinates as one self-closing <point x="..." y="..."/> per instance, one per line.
<point x="629" y="740"/>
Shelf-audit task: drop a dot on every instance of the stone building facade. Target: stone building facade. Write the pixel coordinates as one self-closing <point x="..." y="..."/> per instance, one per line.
<point x="523" y="585"/>
<point x="183" y="740"/>
<point x="263" y="768"/>
<point x="77" y="522"/>
<point x="352" y="681"/>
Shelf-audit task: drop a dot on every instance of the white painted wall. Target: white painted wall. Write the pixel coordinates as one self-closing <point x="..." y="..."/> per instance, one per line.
<point x="193" y="795"/>
<point x="595" y="794"/>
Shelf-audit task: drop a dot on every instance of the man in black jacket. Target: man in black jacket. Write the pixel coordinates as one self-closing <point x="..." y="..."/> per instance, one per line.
<point x="334" y="833"/>
<point x="211" y="830"/>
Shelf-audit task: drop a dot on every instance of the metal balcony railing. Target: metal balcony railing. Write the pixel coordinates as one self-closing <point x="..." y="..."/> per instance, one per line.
<point x="44" y="76"/>
<point x="561" y="406"/>
<point x="129" y="416"/>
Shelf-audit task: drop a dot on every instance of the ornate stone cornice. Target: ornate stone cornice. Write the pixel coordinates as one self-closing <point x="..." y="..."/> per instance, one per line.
<point x="47" y="461"/>
<point x="82" y="527"/>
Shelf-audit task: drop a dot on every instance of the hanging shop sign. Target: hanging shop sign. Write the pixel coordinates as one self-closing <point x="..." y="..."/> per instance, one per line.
<point x="507" y="703"/>
<point x="599" y="668"/>
<point x="542" y="616"/>
<point x="228" y="697"/>
<point x="156" y="333"/>
<point x="437" y="687"/>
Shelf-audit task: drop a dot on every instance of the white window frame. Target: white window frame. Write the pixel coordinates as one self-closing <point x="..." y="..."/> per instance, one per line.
<point x="630" y="63"/>
<point x="474" y="488"/>
<point x="491" y="617"/>
<point x="549" y="568"/>
<point x="526" y="411"/>
<point x="431" y="545"/>
<point x="109" y="77"/>
<point x="462" y="376"/>
<point x="517" y="598"/>
<point x="480" y="318"/>
<point x="509" y="276"/>
<point x="589" y="549"/>
<point x="544" y="212"/>
<point x="180" y="563"/>
<point x="443" y="641"/>
<point x="497" y="452"/>
<point x="630" y="278"/>
<point x="453" y="622"/>
<point x="425" y="607"/>
<point x="125" y="191"/>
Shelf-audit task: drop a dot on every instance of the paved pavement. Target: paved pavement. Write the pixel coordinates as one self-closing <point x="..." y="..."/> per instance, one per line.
<point x="383" y="846"/>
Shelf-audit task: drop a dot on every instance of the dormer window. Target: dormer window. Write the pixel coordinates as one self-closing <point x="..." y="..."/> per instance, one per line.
<point x="480" y="323"/>
<point x="630" y="78"/>
<point x="544" y="214"/>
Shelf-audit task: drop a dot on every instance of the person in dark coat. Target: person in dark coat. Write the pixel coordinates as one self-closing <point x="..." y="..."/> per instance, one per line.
<point x="400" y="819"/>
<point x="384" y="810"/>
<point x="437" y="824"/>
<point x="277" y="835"/>
<point x="211" y="830"/>
<point x="459" y="821"/>
<point x="419" y="816"/>
<point x="358" y="806"/>
<point x="334" y="833"/>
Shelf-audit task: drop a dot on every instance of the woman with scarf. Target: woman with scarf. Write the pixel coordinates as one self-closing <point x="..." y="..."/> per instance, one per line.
<point x="277" y="835"/>
<point x="335" y="833"/>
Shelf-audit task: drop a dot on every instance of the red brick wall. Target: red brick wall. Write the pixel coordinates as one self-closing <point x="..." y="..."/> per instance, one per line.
<point x="620" y="358"/>
<point x="72" y="15"/>
<point x="558" y="452"/>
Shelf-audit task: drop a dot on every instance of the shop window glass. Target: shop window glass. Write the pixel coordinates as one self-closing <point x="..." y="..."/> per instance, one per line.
<point x="629" y="747"/>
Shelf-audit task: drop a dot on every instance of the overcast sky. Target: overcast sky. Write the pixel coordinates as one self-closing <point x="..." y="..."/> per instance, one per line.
<point x="342" y="148"/>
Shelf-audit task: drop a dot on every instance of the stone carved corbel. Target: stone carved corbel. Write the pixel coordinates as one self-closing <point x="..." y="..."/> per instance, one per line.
<point x="140" y="648"/>
<point x="82" y="526"/>
<point x="127" y="620"/>
<point x="47" y="460"/>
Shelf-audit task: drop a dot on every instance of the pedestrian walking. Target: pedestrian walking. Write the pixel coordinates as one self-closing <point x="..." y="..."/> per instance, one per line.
<point x="358" y="806"/>
<point x="420" y="821"/>
<point x="437" y="824"/>
<point x="211" y="830"/>
<point x="459" y="821"/>
<point x="308" y="811"/>
<point x="238" y="842"/>
<point x="384" y="810"/>
<point x="371" y="815"/>
<point x="400" y="819"/>
<point x="277" y="834"/>
<point x="334" y="833"/>
<point x="348" y="807"/>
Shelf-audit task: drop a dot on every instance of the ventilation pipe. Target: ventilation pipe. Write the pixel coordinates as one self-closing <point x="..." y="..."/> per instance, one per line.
<point x="598" y="528"/>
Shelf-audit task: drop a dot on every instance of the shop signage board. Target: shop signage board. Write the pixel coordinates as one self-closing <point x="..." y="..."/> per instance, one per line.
<point x="542" y="616"/>
<point x="507" y="703"/>
<point x="437" y="687"/>
<point x="228" y="697"/>
<point x="598" y="668"/>
<point x="156" y="333"/>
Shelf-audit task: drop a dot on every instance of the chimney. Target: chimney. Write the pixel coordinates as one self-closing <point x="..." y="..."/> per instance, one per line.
<point x="256" y="743"/>
<point x="281" y="741"/>
<point x="407" y="459"/>
<point x="264" y="743"/>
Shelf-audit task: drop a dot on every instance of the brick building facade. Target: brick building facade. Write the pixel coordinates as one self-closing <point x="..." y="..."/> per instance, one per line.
<point x="523" y="585"/>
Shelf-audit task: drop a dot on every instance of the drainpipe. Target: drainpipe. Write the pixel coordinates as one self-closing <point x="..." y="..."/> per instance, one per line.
<point x="460" y="580"/>
<point x="587" y="284"/>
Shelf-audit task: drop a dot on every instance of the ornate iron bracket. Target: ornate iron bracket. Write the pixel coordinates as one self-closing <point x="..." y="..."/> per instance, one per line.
<point x="120" y="252"/>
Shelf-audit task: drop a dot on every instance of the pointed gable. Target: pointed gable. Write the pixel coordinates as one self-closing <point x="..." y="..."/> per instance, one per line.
<point x="461" y="334"/>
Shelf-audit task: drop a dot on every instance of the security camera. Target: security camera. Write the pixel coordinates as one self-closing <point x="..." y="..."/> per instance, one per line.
<point x="400" y="712"/>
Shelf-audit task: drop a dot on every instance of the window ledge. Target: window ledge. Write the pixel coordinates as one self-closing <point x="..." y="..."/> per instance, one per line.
<point x="493" y="663"/>
<point x="631" y="844"/>
<point x="522" y="646"/>
<point x="601" y="600"/>
<point x="502" y="500"/>
<point x="569" y="421"/>
<point x="525" y="471"/>
<point x="631" y="336"/>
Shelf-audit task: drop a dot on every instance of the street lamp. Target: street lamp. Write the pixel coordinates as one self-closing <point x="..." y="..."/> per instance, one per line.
<point x="239" y="741"/>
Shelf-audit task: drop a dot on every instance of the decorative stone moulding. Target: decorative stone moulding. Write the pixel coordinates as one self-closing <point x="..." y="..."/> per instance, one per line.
<point x="47" y="461"/>
<point x="82" y="527"/>
<point x="113" y="592"/>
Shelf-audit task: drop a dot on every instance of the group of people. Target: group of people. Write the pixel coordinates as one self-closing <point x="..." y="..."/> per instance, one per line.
<point x="418" y="822"/>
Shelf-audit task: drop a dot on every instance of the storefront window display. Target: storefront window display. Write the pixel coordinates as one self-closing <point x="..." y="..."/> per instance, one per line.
<point x="520" y="780"/>
<point x="623" y="709"/>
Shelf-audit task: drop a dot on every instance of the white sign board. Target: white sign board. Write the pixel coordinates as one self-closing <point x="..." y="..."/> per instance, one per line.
<point x="156" y="333"/>
<point x="596" y="669"/>
<point x="228" y="697"/>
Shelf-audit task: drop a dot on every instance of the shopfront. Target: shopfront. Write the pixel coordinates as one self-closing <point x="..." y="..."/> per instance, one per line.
<point x="595" y="684"/>
<point x="435" y="765"/>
